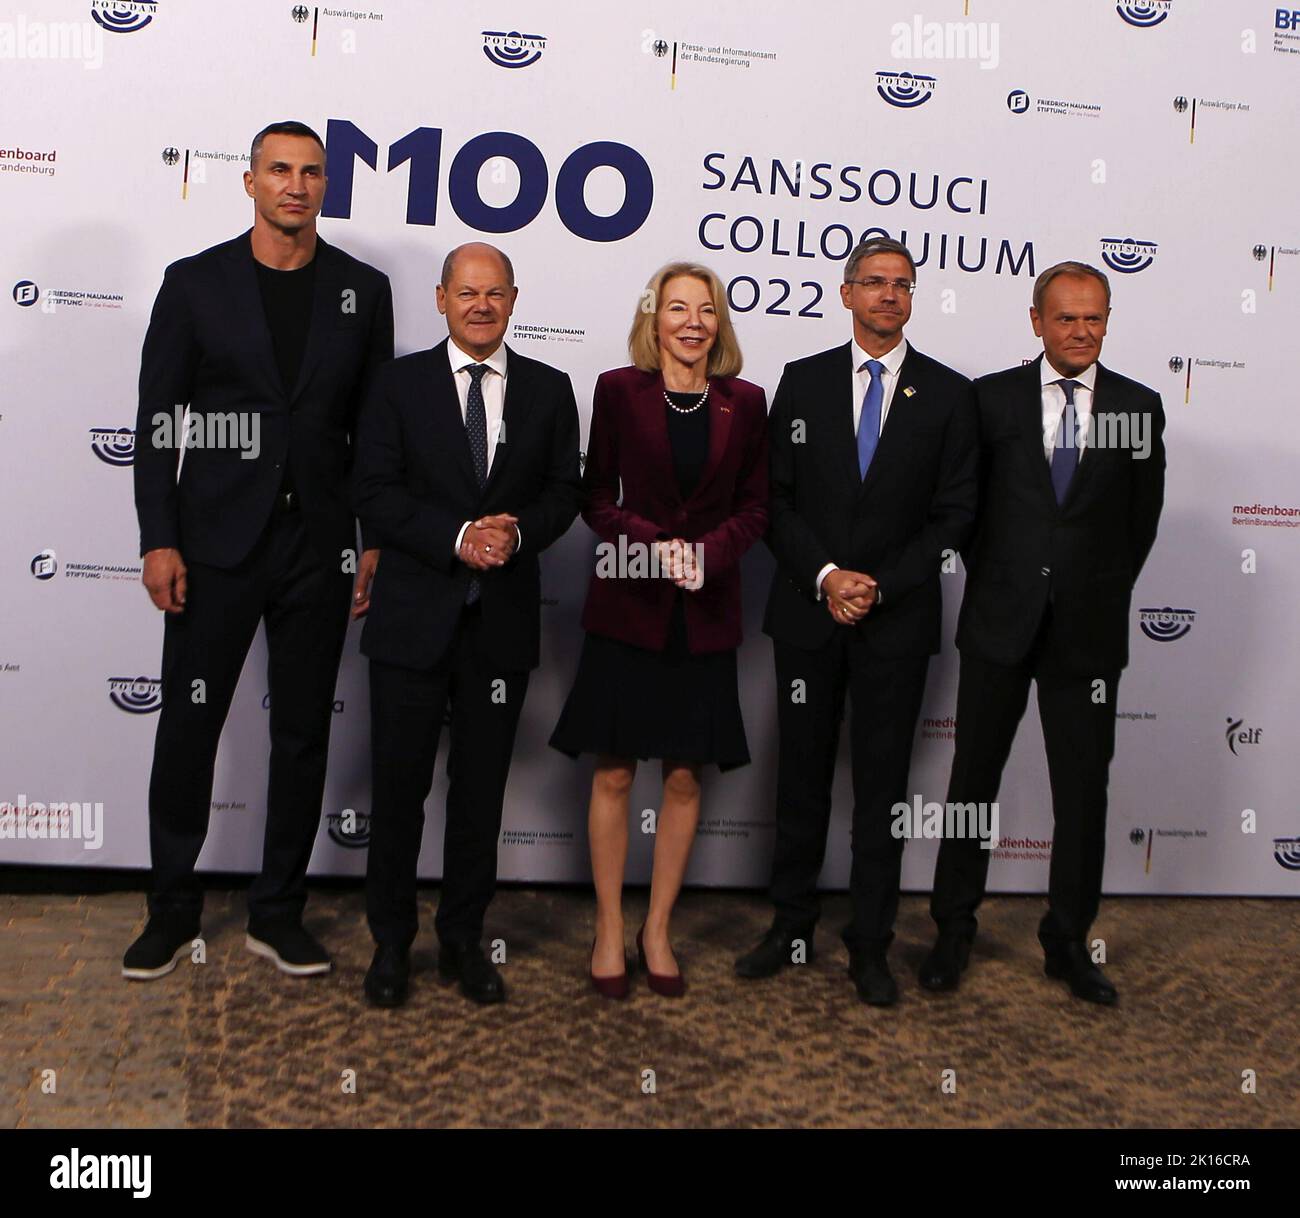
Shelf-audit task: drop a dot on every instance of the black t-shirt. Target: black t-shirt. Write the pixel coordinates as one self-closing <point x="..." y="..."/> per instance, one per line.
<point x="287" y="303"/>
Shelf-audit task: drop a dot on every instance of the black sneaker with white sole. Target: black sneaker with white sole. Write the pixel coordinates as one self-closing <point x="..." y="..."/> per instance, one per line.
<point x="158" y="950"/>
<point x="290" y="947"/>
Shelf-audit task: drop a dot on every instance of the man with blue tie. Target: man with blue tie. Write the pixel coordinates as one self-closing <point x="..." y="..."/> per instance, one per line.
<point x="1072" y="469"/>
<point x="873" y="482"/>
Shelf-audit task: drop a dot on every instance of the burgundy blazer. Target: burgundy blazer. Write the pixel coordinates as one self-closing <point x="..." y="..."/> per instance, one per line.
<point x="725" y="514"/>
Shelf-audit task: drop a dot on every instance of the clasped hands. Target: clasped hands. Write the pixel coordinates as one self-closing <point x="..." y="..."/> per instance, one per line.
<point x="677" y="561"/>
<point x="489" y="542"/>
<point x="849" y="595"/>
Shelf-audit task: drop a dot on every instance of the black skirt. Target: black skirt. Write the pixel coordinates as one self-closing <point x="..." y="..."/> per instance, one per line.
<point x="630" y="702"/>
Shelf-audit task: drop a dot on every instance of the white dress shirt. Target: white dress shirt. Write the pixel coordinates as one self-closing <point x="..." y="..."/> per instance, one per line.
<point x="493" y="387"/>
<point x="1054" y="405"/>
<point x="893" y="362"/>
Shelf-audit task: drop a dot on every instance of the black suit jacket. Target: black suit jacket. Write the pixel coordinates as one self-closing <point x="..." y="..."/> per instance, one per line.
<point x="917" y="500"/>
<point x="1082" y="556"/>
<point x="414" y="486"/>
<point x="208" y="345"/>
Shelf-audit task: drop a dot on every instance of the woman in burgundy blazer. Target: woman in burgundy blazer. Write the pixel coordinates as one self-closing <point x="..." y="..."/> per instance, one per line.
<point x="676" y="486"/>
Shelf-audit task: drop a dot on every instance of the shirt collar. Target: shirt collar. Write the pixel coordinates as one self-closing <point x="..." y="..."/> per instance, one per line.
<point x="1049" y="375"/>
<point x="459" y="360"/>
<point x="893" y="360"/>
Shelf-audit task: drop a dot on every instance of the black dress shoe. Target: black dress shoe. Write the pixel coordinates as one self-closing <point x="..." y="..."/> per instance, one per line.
<point x="1072" y="963"/>
<point x="875" y="983"/>
<point x="289" y="947"/>
<point x="774" y="951"/>
<point x="388" y="975"/>
<point x="478" y="977"/>
<point x="943" y="967"/>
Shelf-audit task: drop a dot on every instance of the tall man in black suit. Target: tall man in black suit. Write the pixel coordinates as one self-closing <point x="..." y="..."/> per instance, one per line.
<point x="1072" y="483"/>
<point x="467" y="470"/>
<point x="270" y="340"/>
<point x="873" y="480"/>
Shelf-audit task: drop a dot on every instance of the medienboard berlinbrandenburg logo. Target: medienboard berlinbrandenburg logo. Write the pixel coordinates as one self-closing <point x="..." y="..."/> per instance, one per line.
<point x="123" y="16"/>
<point x="136" y="695"/>
<point x="1151" y="13"/>
<point x="905" y="89"/>
<point x="1167" y="624"/>
<point x="113" y="445"/>
<point x="511" y="49"/>
<point x="1127" y="256"/>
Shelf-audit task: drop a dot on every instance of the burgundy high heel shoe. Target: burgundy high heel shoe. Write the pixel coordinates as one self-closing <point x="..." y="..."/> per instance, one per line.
<point x="661" y="983"/>
<point x="609" y="987"/>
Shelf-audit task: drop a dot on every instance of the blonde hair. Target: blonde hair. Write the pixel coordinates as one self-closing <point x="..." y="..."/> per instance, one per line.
<point x="642" y="343"/>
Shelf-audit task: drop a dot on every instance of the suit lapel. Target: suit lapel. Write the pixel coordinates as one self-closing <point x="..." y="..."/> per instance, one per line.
<point x="446" y="415"/>
<point x="839" y="395"/>
<point x="1030" y="409"/>
<point x="1092" y="457"/>
<point x="899" y="422"/>
<point x="652" y="416"/>
<point x="514" y="408"/>
<point x="250" y="315"/>
<point x="327" y="299"/>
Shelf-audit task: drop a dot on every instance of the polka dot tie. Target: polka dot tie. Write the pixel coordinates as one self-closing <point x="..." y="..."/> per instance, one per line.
<point x="476" y="430"/>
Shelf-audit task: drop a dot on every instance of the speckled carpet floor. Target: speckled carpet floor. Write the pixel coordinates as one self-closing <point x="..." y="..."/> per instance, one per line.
<point x="1208" y="991"/>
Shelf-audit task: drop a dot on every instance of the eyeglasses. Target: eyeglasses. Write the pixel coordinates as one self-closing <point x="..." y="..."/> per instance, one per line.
<point x="876" y="283"/>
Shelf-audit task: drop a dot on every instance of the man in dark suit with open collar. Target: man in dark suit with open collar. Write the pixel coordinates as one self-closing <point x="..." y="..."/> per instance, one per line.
<point x="270" y="340"/>
<point x="873" y="483"/>
<point x="1072" y="484"/>
<point x="467" y="470"/>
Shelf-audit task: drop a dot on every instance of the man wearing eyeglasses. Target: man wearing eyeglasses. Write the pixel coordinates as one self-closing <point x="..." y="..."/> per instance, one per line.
<point x="873" y="484"/>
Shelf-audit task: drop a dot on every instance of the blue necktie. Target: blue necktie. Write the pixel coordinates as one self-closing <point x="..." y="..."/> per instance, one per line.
<point x="869" y="422"/>
<point x="476" y="430"/>
<point x="1065" y="456"/>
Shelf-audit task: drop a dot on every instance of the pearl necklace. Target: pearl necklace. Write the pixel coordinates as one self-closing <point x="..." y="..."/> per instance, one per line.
<point x="688" y="409"/>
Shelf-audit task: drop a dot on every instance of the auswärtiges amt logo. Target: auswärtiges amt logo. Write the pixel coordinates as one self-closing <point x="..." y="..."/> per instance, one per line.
<point x="1165" y="625"/>
<point x="137" y="695"/>
<point x="513" y="49"/>
<point x="123" y="16"/>
<point x="905" y="89"/>
<point x="1127" y="256"/>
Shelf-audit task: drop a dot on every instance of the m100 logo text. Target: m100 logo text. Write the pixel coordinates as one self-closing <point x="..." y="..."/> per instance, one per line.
<point x="346" y="144"/>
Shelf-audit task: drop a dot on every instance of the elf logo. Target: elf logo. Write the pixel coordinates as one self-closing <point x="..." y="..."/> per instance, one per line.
<point x="76" y="1170"/>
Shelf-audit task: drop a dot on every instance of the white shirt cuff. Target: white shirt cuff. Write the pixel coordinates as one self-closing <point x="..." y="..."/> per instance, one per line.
<point x="822" y="574"/>
<point x="460" y="537"/>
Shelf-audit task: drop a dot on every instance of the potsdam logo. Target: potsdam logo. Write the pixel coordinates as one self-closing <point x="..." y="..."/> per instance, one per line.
<point x="45" y="565"/>
<point x="905" y="89"/>
<point x="113" y="445"/>
<point x="137" y="695"/>
<point x="1287" y="852"/>
<point x="513" y="49"/>
<point x="1153" y="12"/>
<point x="123" y="16"/>
<point x="1236" y="734"/>
<point x="349" y="828"/>
<point x="1018" y="101"/>
<point x="1165" y="625"/>
<point x="26" y="293"/>
<point x="1126" y="255"/>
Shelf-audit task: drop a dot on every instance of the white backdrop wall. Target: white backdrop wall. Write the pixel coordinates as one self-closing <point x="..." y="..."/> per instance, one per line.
<point x="1041" y="131"/>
